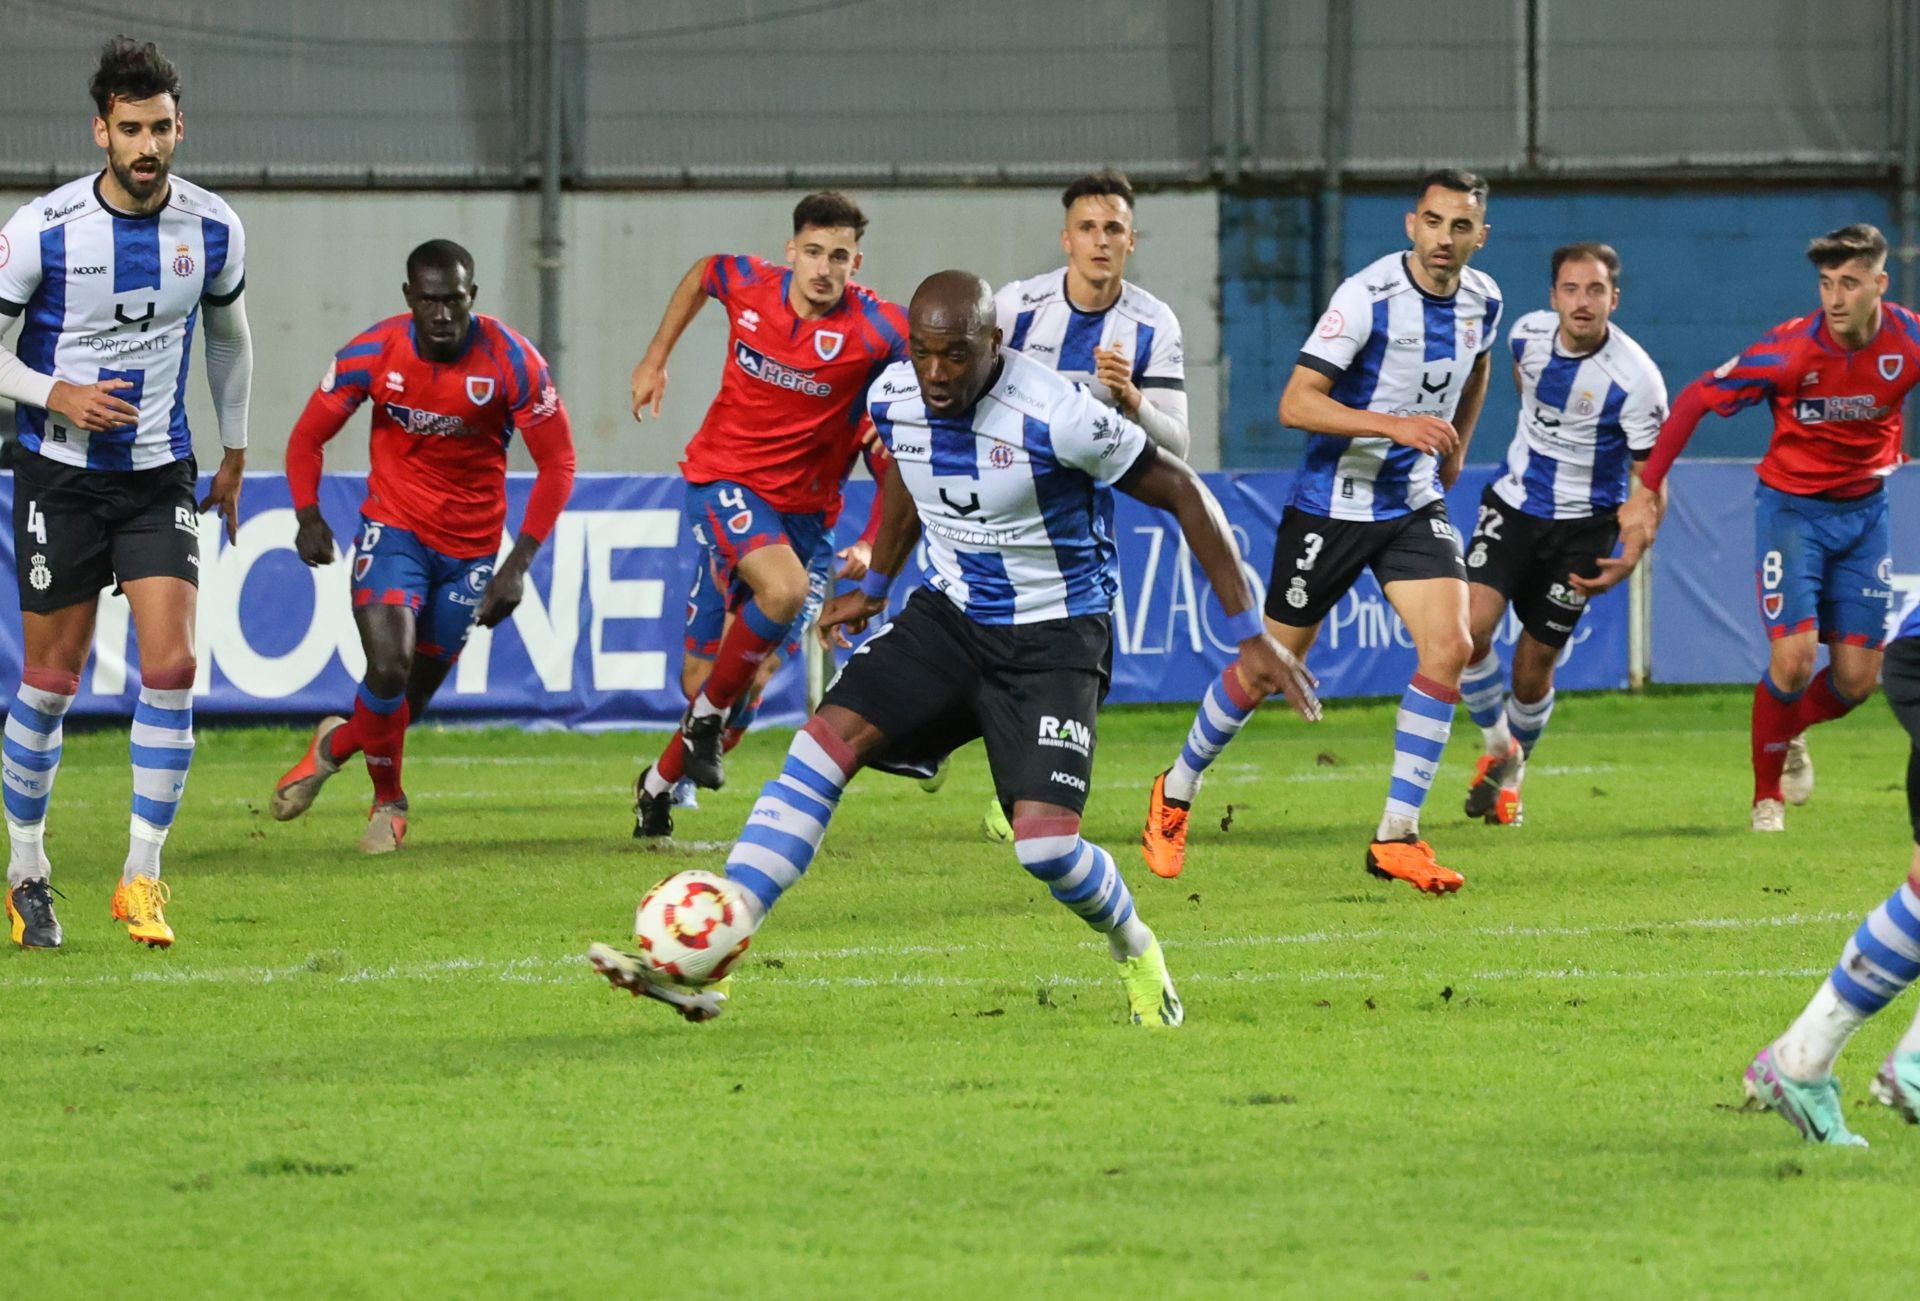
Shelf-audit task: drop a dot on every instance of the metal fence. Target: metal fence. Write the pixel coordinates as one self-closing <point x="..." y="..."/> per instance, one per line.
<point x="784" y="92"/>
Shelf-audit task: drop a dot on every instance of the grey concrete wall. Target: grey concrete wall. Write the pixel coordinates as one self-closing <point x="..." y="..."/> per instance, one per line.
<point x="321" y="267"/>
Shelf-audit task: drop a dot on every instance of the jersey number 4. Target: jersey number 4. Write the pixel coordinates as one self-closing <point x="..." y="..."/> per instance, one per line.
<point x="36" y="523"/>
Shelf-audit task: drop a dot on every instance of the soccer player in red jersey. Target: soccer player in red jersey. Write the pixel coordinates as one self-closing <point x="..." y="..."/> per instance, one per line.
<point x="764" y="469"/>
<point x="450" y="389"/>
<point x="1835" y="380"/>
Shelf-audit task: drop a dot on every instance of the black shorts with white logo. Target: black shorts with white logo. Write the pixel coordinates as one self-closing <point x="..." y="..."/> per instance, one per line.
<point x="932" y="680"/>
<point x="1531" y="562"/>
<point x="76" y="531"/>
<point x="1317" y="559"/>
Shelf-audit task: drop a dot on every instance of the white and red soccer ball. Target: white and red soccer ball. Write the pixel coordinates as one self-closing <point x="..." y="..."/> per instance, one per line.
<point x="692" y="927"/>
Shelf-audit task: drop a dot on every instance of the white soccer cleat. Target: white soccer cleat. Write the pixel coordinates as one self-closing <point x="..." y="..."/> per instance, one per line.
<point x="1769" y="815"/>
<point x="1796" y="779"/>
<point x="629" y="972"/>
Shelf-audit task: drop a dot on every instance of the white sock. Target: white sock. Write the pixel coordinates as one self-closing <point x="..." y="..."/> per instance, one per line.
<point x="1812" y="1044"/>
<point x="143" y="849"/>
<point x="1910" y="1042"/>
<point x="654" y="784"/>
<point x="1397" y="826"/>
<point x="27" y="859"/>
<point x="704" y="708"/>
<point x="1129" y="939"/>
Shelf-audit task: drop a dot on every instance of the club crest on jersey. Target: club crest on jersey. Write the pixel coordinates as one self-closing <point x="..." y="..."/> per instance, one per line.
<point x="1000" y="457"/>
<point x="740" y="522"/>
<point x="361" y="564"/>
<point x="1471" y="337"/>
<point x="1891" y="363"/>
<point x="826" y="344"/>
<point x="182" y="261"/>
<point x="1585" y="406"/>
<point x="480" y="389"/>
<point x="1772" y="603"/>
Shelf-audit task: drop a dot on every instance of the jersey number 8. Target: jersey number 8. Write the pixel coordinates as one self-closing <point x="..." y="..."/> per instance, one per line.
<point x="1772" y="569"/>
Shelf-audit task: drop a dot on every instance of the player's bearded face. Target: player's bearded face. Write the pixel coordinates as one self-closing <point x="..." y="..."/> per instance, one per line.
<point x="139" y="137"/>
<point x="1447" y="228"/>
<point x="1098" y="237"/>
<point x="823" y="260"/>
<point x="1584" y="297"/>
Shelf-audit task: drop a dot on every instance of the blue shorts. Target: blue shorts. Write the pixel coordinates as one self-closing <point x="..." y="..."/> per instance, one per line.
<point x="730" y="521"/>
<point x="1823" y="565"/>
<point x="707" y="610"/>
<point x="393" y="567"/>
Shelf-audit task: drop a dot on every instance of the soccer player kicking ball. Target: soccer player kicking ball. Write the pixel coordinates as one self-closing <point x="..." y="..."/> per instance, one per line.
<point x="1794" y="1074"/>
<point x="111" y="273"/>
<point x="1835" y="381"/>
<point x="765" y="468"/>
<point x="1389" y="387"/>
<point x="1000" y="461"/>
<point x="450" y="388"/>
<point x="1591" y="402"/>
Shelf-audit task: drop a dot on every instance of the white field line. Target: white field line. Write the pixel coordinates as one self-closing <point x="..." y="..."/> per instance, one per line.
<point x="562" y="969"/>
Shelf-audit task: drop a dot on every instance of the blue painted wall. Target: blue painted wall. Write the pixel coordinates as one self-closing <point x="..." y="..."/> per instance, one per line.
<point x="1704" y="274"/>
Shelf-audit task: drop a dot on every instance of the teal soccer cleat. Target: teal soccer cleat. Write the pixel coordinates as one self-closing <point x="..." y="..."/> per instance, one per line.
<point x="1898" y="1085"/>
<point x="1813" y="1109"/>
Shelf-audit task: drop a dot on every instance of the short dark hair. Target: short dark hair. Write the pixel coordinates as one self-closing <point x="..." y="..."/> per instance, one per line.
<point x="829" y="209"/>
<point x="1838" y="247"/>
<point x="1106" y="181"/>
<point x="130" y="69"/>
<point x="1453" y="178"/>
<point x="1586" y="251"/>
<point x="442" y="254"/>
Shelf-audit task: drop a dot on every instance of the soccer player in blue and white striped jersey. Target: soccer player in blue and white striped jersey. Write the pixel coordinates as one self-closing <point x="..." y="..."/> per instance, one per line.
<point x="1389" y="386"/>
<point x="1793" y="1075"/>
<point x="112" y="273"/>
<point x="1001" y="463"/>
<point x="1591" y="403"/>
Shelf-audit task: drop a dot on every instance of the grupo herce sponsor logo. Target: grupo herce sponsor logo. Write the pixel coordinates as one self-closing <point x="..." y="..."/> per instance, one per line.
<point x="769" y="371"/>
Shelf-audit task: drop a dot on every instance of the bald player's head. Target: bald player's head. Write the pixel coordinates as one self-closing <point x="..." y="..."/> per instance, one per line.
<point x="952" y="339"/>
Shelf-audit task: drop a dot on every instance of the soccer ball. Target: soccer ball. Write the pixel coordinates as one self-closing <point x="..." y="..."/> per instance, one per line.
<point x="692" y="927"/>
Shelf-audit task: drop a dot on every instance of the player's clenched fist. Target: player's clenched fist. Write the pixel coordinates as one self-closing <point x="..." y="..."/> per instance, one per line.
<point x="845" y="613"/>
<point x="1270" y="669"/>
<point x="1428" y="434"/>
<point x="649" y="386"/>
<point x="93" y="407"/>
<point x="313" y="541"/>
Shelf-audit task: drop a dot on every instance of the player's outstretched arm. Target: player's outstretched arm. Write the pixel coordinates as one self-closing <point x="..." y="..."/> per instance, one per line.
<point x="1472" y="397"/>
<point x="849" y="612"/>
<point x="650" y="376"/>
<point x="1309" y="404"/>
<point x="1265" y="665"/>
<point x="1635" y="538"/>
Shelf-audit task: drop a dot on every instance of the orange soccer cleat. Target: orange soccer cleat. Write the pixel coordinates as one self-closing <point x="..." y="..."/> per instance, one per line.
<point x="294" y="793"/>
<point x="1164" y="841"/>
<point x="1494" y="793"/>
<point x="1411" y="860"/>
<point x="139" y="903"/>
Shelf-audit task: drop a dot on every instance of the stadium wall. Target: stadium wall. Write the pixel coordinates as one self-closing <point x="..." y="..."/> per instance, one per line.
<point x="323" y="266"/>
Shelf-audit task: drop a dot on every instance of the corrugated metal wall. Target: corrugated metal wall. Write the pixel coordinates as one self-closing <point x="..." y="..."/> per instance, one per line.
<point x="785" y="92"/>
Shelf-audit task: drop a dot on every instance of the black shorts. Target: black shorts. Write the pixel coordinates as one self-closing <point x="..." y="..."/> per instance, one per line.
<point x="1900" y="676"/>
<point x="1316" y="560"/>
<point x="76" y="531"/>
<point x="1530" y="561"/>
<point x="932" y="680"/>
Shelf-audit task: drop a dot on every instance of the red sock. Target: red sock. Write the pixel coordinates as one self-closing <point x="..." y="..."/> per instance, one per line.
<point x="1772" y="729"/>
<point x="750" y="639"/>
<point x="1819" y="703"/>
<point x="730" y="738"/>
<point x="671" y="766"/>
<point x="379" y="727"/>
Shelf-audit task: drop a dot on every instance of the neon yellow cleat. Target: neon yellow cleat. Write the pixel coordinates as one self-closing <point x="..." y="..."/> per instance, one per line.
<point x="139" y="903"/>
<point x="1151" y="999"/>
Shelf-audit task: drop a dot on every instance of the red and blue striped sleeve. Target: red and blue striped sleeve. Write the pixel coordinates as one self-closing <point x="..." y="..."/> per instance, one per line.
<point x="1756" y="374"/>
<point x="728" y="273"/>
<point x="350" y="376"/>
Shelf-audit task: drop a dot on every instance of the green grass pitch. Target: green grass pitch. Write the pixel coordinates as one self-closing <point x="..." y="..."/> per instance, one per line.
<point x="396" y="1077"/>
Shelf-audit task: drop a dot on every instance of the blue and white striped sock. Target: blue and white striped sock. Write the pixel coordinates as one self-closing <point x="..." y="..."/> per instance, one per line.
<point x="1222" y="714"/>
<point x="1084" y="877"/>
<point x="32" y="753"/>
<point x="1528" y="721"/>
<point x="788" y="820"/>
<point x="1483" y="689"/>
<point x="1419" y="739"/>
<point x="162" y="749"/>
<point x="1881" y="959"/>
